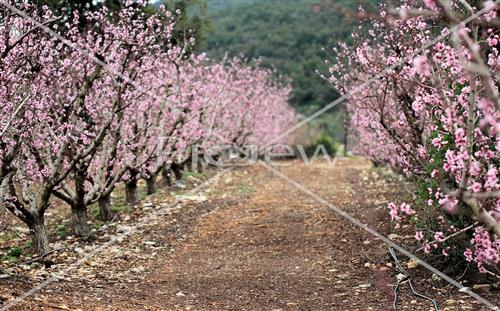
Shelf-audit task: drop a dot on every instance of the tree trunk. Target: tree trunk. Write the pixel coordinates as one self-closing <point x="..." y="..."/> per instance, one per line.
<point x="346" y="129"/>
<point x="166" y="179"/>
<point x="204" y="165"/>
<point x="79" y="218"/>
<point x="151" y="184"/>
<point x="176" y="168"/>
<point x="188" y="165"/>
<point x="105" y="211"/>
<point x="482" y="215"/>
<point x="131" y="187"/>
<point x="79" y="207"/>
<point x="38" y="234"/>
<point x="200" y="165"/>
<point x="131" y="191"/>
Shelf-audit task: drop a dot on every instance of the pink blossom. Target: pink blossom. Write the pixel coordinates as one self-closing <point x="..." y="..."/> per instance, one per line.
<point x="431" y="4"/>
<point x="393" y="211"/>
<point x="421" y="66"/>
<point x="439" y="236"/>
<point x="427" y="247"/>
<point x="491" y="179"/>
<point x="436" y="142"/>
<point x="476" y="187"/>
<point x="406" y="208"/>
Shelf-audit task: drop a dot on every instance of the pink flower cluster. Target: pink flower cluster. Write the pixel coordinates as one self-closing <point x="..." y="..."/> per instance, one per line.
<point x="486" y="251"/>
<point x="431" y="114"/>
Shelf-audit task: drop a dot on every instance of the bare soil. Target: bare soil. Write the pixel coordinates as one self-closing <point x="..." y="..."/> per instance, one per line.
<point x="256" y="243"/>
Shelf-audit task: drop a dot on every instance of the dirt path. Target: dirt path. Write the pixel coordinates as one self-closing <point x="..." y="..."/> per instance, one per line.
<point x="257" y="244"/>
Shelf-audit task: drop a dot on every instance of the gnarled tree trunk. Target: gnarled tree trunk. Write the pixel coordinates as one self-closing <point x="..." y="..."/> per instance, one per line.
<point x="176" y="168"/>
<point x="151" y="184"/>
<point x="166" y="177"/>
<point x="131" y="191"/>
<point x="36" y="224"/>
<point x="105" y="211"/>
<point x="131" y="194"/>
<point x="79" y="219"/>
<point x="78" y="206"/>
<point x="201" y="165"/>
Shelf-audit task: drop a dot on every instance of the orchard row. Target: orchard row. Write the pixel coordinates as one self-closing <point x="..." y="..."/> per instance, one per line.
<point x="99" y="98"/>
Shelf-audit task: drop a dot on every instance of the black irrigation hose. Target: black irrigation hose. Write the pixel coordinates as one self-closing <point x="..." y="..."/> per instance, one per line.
<point x="406" y="278"/>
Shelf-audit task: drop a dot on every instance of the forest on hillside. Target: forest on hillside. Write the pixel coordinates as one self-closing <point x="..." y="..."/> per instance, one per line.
<point x="294" y="37"/>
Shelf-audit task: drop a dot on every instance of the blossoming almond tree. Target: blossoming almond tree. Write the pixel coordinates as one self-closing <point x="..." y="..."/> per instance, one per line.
<point x="45" y="126"/>
<point x="15" y="98"/>
<point x="181" y="84"/>
<point x="261" y="114"/>
<point x="433" y="115"/>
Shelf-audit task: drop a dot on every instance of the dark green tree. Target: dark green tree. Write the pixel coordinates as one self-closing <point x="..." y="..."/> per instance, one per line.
<point x="71" y="5"/>
<point x="192" y="21"/>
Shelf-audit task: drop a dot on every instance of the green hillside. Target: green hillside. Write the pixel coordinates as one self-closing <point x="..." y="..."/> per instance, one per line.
<point x="288" y="35"/>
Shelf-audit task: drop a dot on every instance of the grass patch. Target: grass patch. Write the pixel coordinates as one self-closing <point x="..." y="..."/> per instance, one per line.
<point x="62" y="231"/>
<point x="245" y="190"/>
<point x="121" y="208"/>
<point x="180" y="192"/>
<point x="13" y="254"/>
<point x="97" y="226"/>
<point x="194" y="174"/>
<point x="94" y="210"/>
<point x="6" y="236"/>
<point x="118" y="199"/>
<point x="142" y="193"/>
